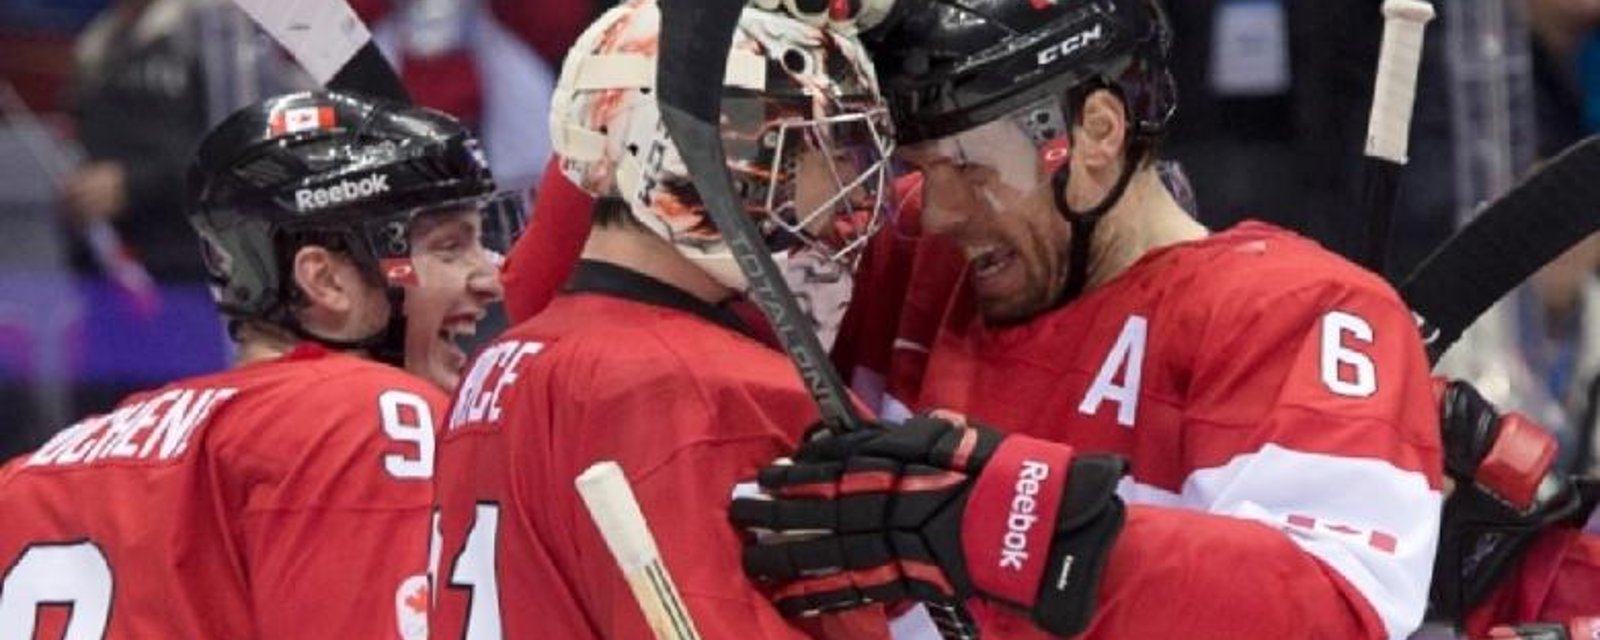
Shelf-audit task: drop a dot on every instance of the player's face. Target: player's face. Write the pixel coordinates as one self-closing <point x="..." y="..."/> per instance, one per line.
<point x="989" y="190"/>
<point x="826" y="193"/>
<point x="455" y="281"/>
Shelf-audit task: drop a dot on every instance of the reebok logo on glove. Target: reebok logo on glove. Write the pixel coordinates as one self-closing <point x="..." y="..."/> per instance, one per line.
<point x="1015" y="543"/>
<point x="1010" y="518"/>
<point x="345" y="191"/>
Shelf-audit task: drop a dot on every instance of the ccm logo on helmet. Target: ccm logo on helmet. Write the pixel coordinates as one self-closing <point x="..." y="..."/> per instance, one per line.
<point x="1071" y="44"/>
<point x="345" y="191"/>
<point x="1015" y="544"/>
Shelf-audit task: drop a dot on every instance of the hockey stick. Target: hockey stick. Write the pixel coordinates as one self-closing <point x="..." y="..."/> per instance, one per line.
<point x="1538" y="220"/>
<point x="1389" y="127"/>
<point x="695" y="38"/>
<point x="616" y="513"/>
<point x="330" y="41"/>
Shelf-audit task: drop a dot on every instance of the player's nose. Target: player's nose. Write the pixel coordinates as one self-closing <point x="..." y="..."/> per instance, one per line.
<point x="484" y="282"/>
<point x="947" y="200"/>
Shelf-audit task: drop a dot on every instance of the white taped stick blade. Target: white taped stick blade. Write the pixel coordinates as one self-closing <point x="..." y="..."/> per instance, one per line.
<point x="322" y="34"/>
<point x="616" y="512"/>
<point x="1395" y="90"/>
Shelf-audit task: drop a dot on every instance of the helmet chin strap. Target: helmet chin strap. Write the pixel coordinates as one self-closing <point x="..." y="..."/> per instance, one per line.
<point x="1083" y="223"/>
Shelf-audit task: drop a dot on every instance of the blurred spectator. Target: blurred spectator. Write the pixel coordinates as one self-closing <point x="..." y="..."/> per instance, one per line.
<point x="1275" y="97"/>
<point x="549" y="26"/>
<point x="455" y="56"/>
<point x="139" y="108"/>
<point x="1538" y="352"/>
<point x="1566" y="70"/>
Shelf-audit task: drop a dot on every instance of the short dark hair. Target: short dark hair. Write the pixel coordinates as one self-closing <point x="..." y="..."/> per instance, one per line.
<point x="612" y="212"/>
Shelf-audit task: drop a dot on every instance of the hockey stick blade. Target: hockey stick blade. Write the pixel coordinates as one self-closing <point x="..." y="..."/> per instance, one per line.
<point x="695" y="38"/>
<point x="369" y="72"/>
<point x="1538" y="220"/>
<point x="330" y="42"/>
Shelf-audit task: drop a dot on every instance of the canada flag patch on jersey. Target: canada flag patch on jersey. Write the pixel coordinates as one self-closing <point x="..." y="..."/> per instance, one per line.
<point x="411" y="608"/>
<point x="297" y="119"/>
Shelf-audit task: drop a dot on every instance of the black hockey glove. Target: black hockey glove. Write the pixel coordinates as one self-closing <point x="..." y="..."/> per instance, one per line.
<point x="934" y="510"/>
<point x="1506" y="493"/>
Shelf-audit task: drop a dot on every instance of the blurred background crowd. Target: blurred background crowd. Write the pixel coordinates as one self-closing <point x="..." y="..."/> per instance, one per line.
<point x="102" y="291"/>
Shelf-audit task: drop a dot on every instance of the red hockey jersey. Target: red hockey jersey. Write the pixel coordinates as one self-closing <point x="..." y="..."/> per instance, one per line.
<point x="1274" y="401"/>
<point x="1556" y="580"/>
<point x="283" y="499"/>
<point x="630" y="371"/>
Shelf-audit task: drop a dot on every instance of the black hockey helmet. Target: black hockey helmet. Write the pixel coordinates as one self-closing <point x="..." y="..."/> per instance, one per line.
<point x="949" y="65"/>
<point x="326" y="168"/>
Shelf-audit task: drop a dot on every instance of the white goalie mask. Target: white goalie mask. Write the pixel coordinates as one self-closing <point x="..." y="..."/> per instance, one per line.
<point x="806" y="134"/>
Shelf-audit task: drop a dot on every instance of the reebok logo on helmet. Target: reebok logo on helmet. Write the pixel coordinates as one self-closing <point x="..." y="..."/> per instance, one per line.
<point x="1067" y="46"/>
<point x="344" y="191"/>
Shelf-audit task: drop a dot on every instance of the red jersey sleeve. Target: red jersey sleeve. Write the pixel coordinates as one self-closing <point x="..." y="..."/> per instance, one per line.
<point x="1557" y="579"/>
<point x="1310" y="441"/>
<point x="546" y="253"/>
<point x="343" y="509"/>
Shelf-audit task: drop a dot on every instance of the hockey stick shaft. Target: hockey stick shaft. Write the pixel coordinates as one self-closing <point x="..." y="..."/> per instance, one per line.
<point x="615" y="511"/>
<point x="695" y="36"/>
<point x="1551" y="210"/>
<point x="330" y="42"/>
<point x="1389" y="126"/>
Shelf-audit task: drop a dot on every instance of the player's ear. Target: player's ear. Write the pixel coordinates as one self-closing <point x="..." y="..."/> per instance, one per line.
<point x="1102" y="131"/>
<point x="325" y="280"/>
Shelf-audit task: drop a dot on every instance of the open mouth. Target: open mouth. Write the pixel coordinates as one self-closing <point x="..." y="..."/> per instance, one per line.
<point x="458" y="331"/>
<point x="990" y="260"/>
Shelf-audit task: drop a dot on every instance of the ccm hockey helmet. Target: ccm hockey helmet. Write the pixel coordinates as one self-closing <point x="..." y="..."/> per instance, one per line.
<point x="799" y="101"/>
<point x="995" y="85"/>
<point x="336" y="170"/>
<point x="952" y="65"/>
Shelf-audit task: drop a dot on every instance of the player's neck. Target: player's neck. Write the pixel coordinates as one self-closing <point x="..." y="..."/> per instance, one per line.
<point x="258" y="343"/>
<point x="1147" y="218"/>
<point x="641" y="250"/>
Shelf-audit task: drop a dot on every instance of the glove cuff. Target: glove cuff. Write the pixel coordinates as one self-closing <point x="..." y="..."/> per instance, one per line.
<point x="1517" y="462"/>
<point x="1010" y="518"/>
<point x="1091" y="517"/>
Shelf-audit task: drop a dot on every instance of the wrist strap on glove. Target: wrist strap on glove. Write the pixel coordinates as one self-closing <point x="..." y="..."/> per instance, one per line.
<point x="1038" y="528"/>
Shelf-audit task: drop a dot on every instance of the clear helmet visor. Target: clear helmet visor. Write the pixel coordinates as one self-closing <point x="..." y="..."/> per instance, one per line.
<point x="478" y="230"/>
<point x="997" y="166"/>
